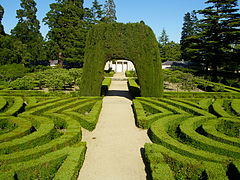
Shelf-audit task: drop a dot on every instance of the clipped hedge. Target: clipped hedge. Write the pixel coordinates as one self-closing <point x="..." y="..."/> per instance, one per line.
<point x="133" y="88"/>
<point x="144" y="121"/>
<point x="215" y="95"/>
<point x="105" y="86"/>
<point x="89" y="120"/>
<point x="168" y="164"/>
<point x="60" y="164"/>
<point x="236" y="106"/>
<point x="133" y="41"/>
<point x="16" y="107"/>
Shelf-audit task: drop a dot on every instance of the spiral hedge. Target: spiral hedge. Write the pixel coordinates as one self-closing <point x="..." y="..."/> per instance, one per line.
<point x="40" y="136"/>
<point x="193" y="138"/>
<point x="135" y="42"/>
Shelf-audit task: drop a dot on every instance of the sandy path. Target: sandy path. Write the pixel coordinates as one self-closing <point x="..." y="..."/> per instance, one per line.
<point x="114" y="147"/>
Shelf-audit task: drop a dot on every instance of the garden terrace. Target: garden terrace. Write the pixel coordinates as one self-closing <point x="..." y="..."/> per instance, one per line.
<point x="39" y="137"/>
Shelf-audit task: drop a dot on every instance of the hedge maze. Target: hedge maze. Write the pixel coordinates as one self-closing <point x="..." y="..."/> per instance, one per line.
<point x="193" y="138"/>
<point x="40" y="136"/>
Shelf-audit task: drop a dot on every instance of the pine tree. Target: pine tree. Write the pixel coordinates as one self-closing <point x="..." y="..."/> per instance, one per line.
<point x="109" y="11"/>
<point x="163" y="39"/>
<point x="189" y="30"/>
<point x="220" y="31"/>
<point x="27" y="30"/>
<point x="1" y="17"/>
<point x="67" y="35"/>
<point x="97" y="12"/>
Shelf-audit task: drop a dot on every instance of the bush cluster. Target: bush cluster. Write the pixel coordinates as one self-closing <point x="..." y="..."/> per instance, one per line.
<point x="51" y="78"/>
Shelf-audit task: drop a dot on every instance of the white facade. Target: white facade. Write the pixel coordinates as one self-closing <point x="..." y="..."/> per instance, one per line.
<point x="120" y="66"/>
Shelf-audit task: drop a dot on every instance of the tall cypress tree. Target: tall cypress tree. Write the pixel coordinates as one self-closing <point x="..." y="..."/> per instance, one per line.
<point x="1" y="17"/>
<point x="27" y="30"/>
<point x="109" y="11"/>
<point x="67" y="35"/>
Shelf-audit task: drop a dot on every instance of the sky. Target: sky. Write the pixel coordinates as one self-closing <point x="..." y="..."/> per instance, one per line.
<point x="157" y="14"/>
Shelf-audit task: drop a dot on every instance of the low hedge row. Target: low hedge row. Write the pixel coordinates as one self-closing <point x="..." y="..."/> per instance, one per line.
<point x="23" y="128"/>
<point x="188" y="131"/>
<point x="236" y="106"/>
<point x="215" y="95"/>
<point x="158" y="134"/>
<point x="105" y="86"/>
<point x="133" y="88"/>
<point x="206" y="103"/>
<point x="144" y="121"/>
<point x="209" y="130"/>
<point x="164" y="105"/>
<point x="217" y="108"/>
<point x="167" y="164"/>
<point x="3" y="103"/>
<point x="71" y="135"/>
<point x="186" y="107"/>
<point x="89" y="120"/>
<point x="61" y="164"/>
<point x="41" y="136"/>
<point x="16" y="107"/>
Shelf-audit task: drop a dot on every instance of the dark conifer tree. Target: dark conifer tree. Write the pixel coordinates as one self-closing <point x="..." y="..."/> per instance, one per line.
<point x="67" y="35"/>
<point x="220" y="31"/>
<point x="189" y="30"/>
<point x="27" y="31"/>
<point x="97" y="12"/>
<point x="1" y="17"/>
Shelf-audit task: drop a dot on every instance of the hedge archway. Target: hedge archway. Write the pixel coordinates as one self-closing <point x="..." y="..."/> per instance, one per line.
<point x="134" y="42"/>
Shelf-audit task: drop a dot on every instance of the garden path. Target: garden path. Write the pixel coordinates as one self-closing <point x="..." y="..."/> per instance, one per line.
<point x="114" y="148"/>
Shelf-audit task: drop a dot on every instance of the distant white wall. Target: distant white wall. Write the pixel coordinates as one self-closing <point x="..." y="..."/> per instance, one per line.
<point x="120" y="66"/>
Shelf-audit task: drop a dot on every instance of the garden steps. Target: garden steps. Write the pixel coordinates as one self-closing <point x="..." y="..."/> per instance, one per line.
<point x="114" y="148"/>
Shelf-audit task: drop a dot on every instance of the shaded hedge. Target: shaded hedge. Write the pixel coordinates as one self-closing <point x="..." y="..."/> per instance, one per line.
<point x="133" y="41"/>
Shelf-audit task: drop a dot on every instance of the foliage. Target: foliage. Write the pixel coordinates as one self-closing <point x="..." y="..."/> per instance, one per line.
<point x="109" y="11"/>
<point x="130" y="74"/>
<point x="1" y="17"/>
<point x="27" y="31"/>
<point x="45" y="142"/>
<point x="10" y="72"/>
<point x="24" y="83"/>
<point x="190" y="142"/>
<point x="216" y="42"/>
<point x="163" y="39"/>
<point x="189" y="29"/>
<point x="170" y="51"/>
<point x="133" y="41"/>
<point x="67" y="35"/>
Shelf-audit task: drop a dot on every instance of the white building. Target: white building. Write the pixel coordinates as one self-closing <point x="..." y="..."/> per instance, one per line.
<point x="120" y="66"/>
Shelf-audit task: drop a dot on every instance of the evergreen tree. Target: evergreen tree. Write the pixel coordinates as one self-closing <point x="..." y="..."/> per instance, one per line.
<point x="109" y="11"/>
<point x="220" y="31"/>
<point x="97" y="12"/>
<point x="1" y="17"/>
<point x="27" y="31"/>
<point x="67" y="35"/>
<point x="189" y="30"/>
<point x="163" y="39"/>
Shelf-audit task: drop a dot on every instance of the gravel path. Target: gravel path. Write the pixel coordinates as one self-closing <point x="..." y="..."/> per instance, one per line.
<point x="115" y="146"/>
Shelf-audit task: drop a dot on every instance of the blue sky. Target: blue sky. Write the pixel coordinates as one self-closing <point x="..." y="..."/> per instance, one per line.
<point x="157" y="14"/>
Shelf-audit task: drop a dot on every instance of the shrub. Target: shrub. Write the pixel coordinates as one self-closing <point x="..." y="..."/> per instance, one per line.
<point x="25" y="83"/>
<point x="134" y="88"/>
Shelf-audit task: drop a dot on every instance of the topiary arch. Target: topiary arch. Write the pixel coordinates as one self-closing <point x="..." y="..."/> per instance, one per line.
<point x="134" y="42"/>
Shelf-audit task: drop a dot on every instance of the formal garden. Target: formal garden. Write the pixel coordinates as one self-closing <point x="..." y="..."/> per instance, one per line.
<point x="191" y="116"/>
